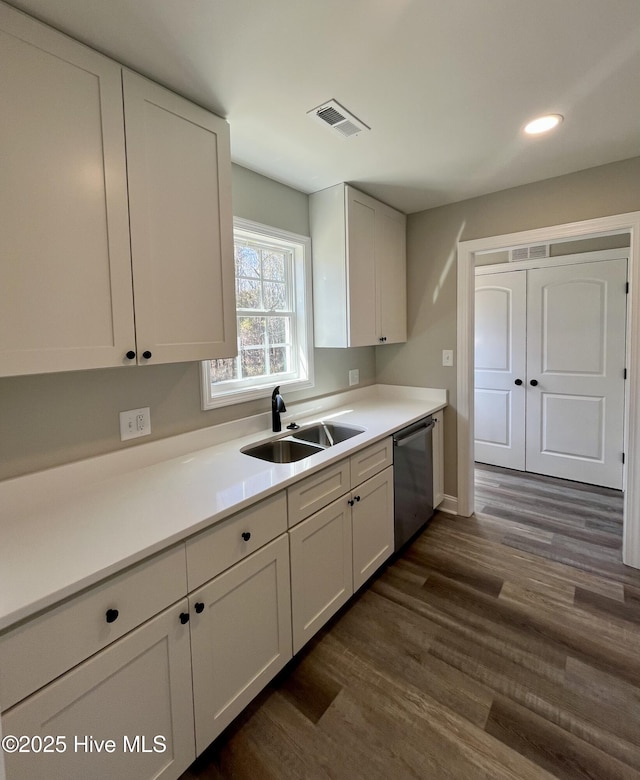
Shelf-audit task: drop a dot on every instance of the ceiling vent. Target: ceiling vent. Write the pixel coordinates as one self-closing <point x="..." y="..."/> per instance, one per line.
<point x="529" y="253"/>
<point x="338" y="118"/>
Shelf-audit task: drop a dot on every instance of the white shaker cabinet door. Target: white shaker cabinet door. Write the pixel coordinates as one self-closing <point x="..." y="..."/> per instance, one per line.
<point x="372" y="519"/>
<point x="179" y="169"/>
<point x="321" y="568"/>
<point x="391" y="274"/>
<point x="137" y="693"/>
<point x="240" y="636"/>
<point x="65" y="275"/>
<point x="361" y="246"/>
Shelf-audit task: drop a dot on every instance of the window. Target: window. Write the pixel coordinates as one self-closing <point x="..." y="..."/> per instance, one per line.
<point x="273" y="307"/>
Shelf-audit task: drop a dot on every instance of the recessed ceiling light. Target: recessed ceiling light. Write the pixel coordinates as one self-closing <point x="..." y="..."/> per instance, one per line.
<point x="543" y="124"/>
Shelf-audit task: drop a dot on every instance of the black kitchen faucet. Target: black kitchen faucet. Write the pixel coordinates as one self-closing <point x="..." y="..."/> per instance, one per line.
<point x="277" y="406"/>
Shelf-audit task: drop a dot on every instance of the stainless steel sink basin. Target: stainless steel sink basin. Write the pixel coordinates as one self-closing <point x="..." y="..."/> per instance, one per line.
<point x="281" y="450"/>
<point x="327" y="434"/>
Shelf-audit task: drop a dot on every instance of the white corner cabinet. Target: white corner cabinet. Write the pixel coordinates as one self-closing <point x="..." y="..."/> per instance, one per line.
<point x="359" y="269"/>
<point x="104" y="204"/>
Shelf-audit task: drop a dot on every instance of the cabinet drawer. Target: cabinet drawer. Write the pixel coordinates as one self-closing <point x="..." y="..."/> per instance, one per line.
<point x="371" y="460"/>
<point x="311" y="494"/>
<point x="228" y="542"/>
<point x="41" y="649"/>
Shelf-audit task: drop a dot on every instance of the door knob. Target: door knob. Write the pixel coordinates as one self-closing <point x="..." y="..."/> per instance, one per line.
<point x="518" y="382"/>
<point x="130" y="355"/>
<point x="146" y="354"/>
<point x="533" y="382"/>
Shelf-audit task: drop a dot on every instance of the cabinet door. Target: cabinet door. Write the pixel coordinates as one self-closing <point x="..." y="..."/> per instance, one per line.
<point x="240" y="636"/>
<point x="65" y="276"/>
<point x="137" y="693"/>
<point x="179" y="169"/>
<point x="361" y="216"/>
<point x="391" y="274"/>
<point x="372" y="520"/>
<point x="321" y="569"/>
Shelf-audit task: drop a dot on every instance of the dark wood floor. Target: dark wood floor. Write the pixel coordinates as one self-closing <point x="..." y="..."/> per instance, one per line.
<point x="506" y="645"/>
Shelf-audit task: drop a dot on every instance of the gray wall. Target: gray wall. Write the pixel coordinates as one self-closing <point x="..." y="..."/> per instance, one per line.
<point x="50" y="419"/>
<point x="431" y="273"/>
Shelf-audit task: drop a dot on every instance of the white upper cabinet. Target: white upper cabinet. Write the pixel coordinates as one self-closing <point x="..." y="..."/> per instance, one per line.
<point x="66" y="279"/>
<point x="359" y="269"/>
<point x="65" y="270"/>
<point x="179" y="168"/>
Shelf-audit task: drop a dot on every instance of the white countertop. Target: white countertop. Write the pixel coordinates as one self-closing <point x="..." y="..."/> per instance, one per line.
<point x="64" y="529"/>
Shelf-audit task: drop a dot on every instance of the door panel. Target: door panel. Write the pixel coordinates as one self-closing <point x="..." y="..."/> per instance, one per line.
<point x="563" y="429"/>
<point x="500" y="343"/>
<point x="576" y="353"/>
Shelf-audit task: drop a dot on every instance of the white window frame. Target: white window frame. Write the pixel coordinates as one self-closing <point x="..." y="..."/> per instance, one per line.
<point x="238" y="391"/>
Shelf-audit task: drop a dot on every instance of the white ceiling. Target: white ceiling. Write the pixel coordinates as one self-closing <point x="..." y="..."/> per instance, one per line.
<point x="445" y="85"/>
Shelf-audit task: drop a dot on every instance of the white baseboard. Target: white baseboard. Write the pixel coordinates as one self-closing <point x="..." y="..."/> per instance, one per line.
<point x="449" y="505"/>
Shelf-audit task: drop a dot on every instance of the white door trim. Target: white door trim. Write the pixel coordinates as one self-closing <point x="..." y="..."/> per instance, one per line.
<point x="603" y="226"/>
<point x="553" y="262"/>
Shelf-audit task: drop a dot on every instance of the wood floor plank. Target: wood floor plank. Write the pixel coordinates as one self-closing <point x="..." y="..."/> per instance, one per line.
<point x="448" y="739"/>
<point x="504" y="646"/>
<point x="550" y="747"/>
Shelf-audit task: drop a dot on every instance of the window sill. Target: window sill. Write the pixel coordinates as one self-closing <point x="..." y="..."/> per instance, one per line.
<point x="250" y="393"/>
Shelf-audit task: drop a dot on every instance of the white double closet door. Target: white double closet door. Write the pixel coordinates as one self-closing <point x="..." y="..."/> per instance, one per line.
<point x="549" y="370"/>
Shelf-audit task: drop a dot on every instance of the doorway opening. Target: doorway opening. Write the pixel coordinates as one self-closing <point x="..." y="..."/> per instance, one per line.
<point x="467" y="252"/>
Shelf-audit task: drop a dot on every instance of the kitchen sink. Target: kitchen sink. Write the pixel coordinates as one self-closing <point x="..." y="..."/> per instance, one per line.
<point x="327" y="434"/>
<point x="281" y="450"/>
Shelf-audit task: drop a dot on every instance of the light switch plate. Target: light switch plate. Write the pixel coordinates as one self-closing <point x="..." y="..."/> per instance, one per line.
<point x="354" y="376"/>
<point x="134" y="423"/>
<point x="447" y="357"/>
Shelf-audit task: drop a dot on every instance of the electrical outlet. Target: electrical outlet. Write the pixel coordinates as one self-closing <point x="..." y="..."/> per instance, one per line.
<point x="447" y="357"/>
<point x="354" y="376"/>
<point x="134" y="423"/>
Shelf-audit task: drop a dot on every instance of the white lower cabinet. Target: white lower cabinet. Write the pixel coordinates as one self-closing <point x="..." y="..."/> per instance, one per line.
<point x="126" y="712"/>
<point x="336" y="550"/>
<point x="372" y="525"/>
<point x="321" y="569"/>
<point x="240" y="636"/>
<point x="113" y="696"/>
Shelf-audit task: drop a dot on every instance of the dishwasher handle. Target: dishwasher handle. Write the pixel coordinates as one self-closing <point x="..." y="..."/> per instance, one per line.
<point x="400" y="441"/>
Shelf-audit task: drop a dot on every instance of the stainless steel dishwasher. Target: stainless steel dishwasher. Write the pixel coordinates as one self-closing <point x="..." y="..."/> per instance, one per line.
<point x="412" y="479"/>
